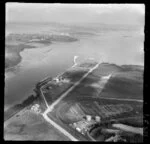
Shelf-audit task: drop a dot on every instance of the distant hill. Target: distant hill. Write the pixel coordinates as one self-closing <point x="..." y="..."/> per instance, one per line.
<point x="133" y="67"/>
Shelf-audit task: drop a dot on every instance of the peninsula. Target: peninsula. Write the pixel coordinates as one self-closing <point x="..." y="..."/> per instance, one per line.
<point x="15" y="43"/>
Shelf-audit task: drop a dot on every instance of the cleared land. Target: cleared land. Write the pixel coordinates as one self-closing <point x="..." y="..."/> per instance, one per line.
<point x="31" y="126"/>
<point x="88" y="97"/>
<point x="85" y="99"/>
<point x="126" y="85"/>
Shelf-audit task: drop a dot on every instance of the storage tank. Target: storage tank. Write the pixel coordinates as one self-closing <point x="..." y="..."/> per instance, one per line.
<point x="97" y="118"/>
<point x="88" y="117"/>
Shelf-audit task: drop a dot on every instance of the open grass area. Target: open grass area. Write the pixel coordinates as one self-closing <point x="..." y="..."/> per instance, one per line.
<point x="31" y="126"/>
<point x="106" y="109"/>
<point x="53" y="115"/>
<point x="123" y="86"/>
<point x="52" y="91"/>
<point x="74" y="75"/>
<point x="86" y="99"/>
<point x="69" y="112"/>
<point x="106" y="69"/>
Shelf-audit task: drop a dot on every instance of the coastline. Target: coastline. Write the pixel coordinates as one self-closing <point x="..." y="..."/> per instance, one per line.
<point x="10" y="71"/>
<point x="26" y="104"/>
<point x="33" y="96"/>
<point x="13" y="106"/>
<point x="16" y="43"/>
<point x="18" y="58"/>
<point x="36" y="96"/>
<point x="16" y="108"/>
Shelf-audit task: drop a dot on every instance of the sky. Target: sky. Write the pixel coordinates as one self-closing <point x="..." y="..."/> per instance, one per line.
<point x="131" y="14"/>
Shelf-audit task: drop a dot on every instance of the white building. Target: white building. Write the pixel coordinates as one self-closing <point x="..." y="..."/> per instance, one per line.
<point x="36" y="108"/>
<point x="88" y="117"/>
<point x="97" y="118"/>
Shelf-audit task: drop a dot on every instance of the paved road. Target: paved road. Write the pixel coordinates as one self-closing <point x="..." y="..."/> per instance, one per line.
<point x="71" y="88"/>
<point x="50" y="108"/>
<point x="59" y="127"/>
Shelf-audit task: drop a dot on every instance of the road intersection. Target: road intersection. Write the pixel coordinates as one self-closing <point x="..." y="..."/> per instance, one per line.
<point x="50" y="108"/>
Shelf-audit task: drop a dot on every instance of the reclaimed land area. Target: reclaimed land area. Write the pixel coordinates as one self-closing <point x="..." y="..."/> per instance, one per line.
<point x="125" y="86"/>
<point x="56" y="89"/>
<point x="121" y="118"/>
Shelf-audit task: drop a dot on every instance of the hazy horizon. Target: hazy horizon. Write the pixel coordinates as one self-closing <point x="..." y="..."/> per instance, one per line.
<point x="91" y="17"/>
<point x="126" y="14"/>
<point x="64" y="62"/>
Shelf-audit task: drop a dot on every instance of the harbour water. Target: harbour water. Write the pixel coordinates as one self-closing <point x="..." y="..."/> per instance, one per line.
<point x="51" y="60"/>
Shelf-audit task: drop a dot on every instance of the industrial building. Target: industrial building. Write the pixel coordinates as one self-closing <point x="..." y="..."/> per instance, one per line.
<point x="86" y="123"/>
<point x="36" y="108"/>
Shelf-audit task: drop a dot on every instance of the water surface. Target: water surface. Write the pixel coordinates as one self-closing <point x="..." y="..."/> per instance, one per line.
<point x="114" y="47"/>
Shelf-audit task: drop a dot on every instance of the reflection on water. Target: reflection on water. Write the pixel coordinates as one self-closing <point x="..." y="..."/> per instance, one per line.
<point x="41" y="62"/>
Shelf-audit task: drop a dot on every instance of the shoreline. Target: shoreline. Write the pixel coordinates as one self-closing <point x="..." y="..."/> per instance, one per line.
<point x="36" y="96"/>
<point x="35" y="93"/>
<point x="16" y="43"/>
<point x="16" y="108"/>
<point x="18" y="56"/>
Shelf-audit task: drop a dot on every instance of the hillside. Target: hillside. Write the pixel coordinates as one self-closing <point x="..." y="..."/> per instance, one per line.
<point x="127" y="83"/>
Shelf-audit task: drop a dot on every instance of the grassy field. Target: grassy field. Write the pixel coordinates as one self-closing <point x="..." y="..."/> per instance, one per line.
<point x="86" y="98"/>
<point x="30" y="126"/>
<point x="53" y="91"/>
<point x="136" y="121"/>
<point x="127" y="85"/>
<point x="54" y="116"/>
<point x="106" y="109"/>
<point x="74" y="75"/>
